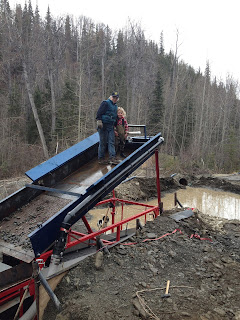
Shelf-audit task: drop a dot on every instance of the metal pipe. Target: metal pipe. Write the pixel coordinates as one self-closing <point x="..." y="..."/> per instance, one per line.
<point x="176" y="201"/>
<point x="39" y="277"/>
<point x="145" y="132"/>
<point x="49" y="291"/>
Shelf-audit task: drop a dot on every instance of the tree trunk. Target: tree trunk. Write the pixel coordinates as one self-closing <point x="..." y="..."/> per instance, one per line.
<point x="35" y="113"/>
<point x="80" y="105"/>
<point x="53" y="109"/>
<point x="103" y="77"/>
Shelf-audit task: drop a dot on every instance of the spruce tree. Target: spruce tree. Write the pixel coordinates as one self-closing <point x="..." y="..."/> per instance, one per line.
<point x="156" y="107"/>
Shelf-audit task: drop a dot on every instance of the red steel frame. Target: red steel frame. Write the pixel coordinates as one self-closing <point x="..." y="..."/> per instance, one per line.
<point x="78" y="237"/>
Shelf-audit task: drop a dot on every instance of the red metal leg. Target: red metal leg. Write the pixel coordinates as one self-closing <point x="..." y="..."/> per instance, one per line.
<point x="122" y="216"/>
<point x="89" y="229"/>
<point x="158" y="181"/>
<point x="118" y="234"/>
<point x="113" y="208"/>
<point x="113" y="218"/>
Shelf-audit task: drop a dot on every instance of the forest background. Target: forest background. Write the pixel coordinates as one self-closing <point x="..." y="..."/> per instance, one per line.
<point x="54" y="73"/>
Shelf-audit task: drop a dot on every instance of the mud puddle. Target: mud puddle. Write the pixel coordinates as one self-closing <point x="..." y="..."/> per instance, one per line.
<point x="217" y="203"/>
<point x="121" y="212"/>
<point x="211" y="202"/>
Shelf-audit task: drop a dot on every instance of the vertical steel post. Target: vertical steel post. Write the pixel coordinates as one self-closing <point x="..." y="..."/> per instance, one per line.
<point x="113" y="209"/>
<point x="122" y="216"/>
<point x="118" y="234"/>
<point x="175" y="199"/>
<point x="160" y="205"/>
<point x="113" y="219"/>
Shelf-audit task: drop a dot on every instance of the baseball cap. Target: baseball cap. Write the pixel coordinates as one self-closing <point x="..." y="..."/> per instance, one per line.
<point x="115" y="94"/>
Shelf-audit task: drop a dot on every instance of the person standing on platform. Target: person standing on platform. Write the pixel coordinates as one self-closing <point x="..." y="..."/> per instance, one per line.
<point x="121" y="131"/>
<point x="106" y="119"/>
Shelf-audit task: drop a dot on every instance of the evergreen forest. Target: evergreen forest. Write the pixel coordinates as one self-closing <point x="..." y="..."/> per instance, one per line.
<point x="54" y="73"/>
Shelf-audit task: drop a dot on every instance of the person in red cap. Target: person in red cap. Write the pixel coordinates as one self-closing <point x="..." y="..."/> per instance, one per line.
<point x="106" y="118"/>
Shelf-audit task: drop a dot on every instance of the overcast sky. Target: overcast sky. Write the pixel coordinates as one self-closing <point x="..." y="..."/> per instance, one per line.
<point x="208" y="29"/>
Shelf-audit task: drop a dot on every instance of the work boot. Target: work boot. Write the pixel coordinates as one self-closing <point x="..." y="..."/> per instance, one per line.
<point x="122" y="155"/>
<point x="102" y="161"/>
<point x="113" y="161"/>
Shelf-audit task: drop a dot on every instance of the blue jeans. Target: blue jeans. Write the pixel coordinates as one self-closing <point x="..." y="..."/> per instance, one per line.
<point x="107" y="139"/>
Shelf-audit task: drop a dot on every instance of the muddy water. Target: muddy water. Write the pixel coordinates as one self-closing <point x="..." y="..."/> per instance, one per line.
<point x="212" y="202"/>
<point x="121" y="212"/>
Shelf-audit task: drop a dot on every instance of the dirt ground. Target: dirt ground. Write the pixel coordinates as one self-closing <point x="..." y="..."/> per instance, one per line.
<point x="199" y="255"/>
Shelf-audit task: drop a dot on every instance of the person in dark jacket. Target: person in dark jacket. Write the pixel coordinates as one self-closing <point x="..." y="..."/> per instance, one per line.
<point x="106" y="118"/>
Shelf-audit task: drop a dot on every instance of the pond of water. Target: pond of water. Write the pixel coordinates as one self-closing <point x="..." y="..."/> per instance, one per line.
<point x="217" y="203"/>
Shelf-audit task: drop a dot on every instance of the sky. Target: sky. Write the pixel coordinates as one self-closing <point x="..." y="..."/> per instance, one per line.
<point x="208" y="30"/>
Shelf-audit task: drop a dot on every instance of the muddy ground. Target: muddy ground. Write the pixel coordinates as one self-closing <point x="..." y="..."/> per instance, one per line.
<point x="199" y="255"/>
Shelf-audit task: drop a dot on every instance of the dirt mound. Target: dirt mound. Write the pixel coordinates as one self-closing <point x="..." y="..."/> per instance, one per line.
<point x="199" y="255"/>
<point x="144" y="188"/>
<point x="221" y="182"/>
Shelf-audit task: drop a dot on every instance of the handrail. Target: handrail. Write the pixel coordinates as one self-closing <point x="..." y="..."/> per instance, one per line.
<point x="139" y="126"/>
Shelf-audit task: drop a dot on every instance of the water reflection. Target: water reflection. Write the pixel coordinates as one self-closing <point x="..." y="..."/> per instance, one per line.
<point x="212" y="202"/>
